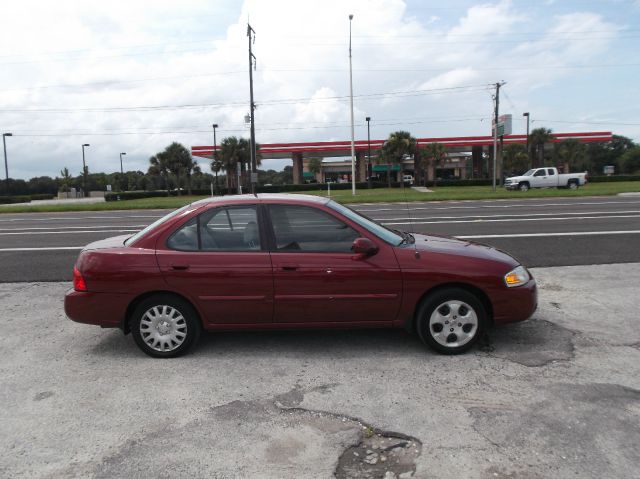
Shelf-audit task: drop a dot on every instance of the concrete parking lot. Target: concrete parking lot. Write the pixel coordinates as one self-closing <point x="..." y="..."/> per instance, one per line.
<point x="556" y="396"/>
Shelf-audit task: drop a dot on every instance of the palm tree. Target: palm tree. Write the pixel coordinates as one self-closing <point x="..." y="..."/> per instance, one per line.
<point x="435" y="154"/>
<point x="537" y="139"/>
<point x="175" y="160"/>
<point x="315" y="166"/>
<point x="216" y="166"/>
<point x="158" y="167"/>
<point x="233" y="152"/>
<point x="571" y="154"/>
<point x="515" y="159"/>
<point x="65" y="179"/>
<point x="398" y="146"/>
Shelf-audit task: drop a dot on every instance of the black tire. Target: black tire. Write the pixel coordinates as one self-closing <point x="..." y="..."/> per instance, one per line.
<point x="573" y="185"/>
<point x="465" y="331"/>
<point x="524" y="186"/>
<point x="179" y="321"/>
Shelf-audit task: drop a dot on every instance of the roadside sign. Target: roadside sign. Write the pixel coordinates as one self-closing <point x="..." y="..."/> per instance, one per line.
<point x="504" y="125"/>
<point x="254" y="177"/>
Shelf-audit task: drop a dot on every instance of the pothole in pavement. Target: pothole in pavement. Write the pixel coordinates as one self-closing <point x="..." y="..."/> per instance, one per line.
<point x="380" y="455"/>
<point x="532" y="343"/>
<point x="377" y="455"/>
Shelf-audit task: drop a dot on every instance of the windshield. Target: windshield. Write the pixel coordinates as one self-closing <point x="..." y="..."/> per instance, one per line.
<point x="528" y="173"/>
<point x="380" y="231"/>
<point x="153" y="225"/>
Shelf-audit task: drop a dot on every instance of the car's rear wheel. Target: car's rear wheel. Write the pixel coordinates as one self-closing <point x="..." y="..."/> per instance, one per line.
<point x="451" y="320"/>
<point x="573" y="185"/>
<point x="165" y="326"/>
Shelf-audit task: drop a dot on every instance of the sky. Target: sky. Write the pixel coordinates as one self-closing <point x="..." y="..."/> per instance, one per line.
<point x="133" y="76"/>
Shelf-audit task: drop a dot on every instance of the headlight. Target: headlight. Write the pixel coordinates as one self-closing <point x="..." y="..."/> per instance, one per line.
<point x="517" y="277"/>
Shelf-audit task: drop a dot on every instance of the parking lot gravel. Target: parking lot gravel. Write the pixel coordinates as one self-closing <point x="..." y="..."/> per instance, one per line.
<point x="555" y="396"/>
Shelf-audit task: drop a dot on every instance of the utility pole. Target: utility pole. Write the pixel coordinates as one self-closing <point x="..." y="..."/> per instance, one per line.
<point x="496" y="99"/>
<point x="252" y="65"/>
<point x="353" y="141"/>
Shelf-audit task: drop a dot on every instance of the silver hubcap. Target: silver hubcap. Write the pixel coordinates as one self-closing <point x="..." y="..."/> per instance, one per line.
<point x="163" y="328"/>
<point x="454" y="323"/>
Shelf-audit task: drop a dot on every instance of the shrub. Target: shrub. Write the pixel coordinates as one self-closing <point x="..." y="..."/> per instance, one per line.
<point x="8" y="200"/>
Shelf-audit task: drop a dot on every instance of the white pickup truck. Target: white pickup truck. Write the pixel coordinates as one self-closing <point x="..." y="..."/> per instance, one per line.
<point x="545" y="178"/>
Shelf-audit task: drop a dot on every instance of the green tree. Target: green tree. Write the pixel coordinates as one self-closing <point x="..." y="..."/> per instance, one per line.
<point x="399" y="145"/>
<point x="216" y="166"/>
<point x="538" y="138"/>
<point x="174" y="160"/>
<point x="571" y="154"/>
<point x="315" y="166"/>
<point x="515" y="159"/>
<point x="65" y="179"/>
<point x="435" y="154"/>
<point x="233" y="152"/>
<point x="630" y="161"/>
<point x="608" y="153"/>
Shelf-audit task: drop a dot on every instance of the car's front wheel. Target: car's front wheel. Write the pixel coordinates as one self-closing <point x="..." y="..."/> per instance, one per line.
<point x="164" y="326"/>
<point x="451" y="320"/>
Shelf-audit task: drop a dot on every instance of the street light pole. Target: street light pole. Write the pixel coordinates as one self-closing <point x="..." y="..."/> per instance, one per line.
<point x="84" y="172"/>
<point x="122" y="179"/>
<point x="528" y="156"/>
<point x="214" y="154"/>
<point x="369" y="172"/>
<point x="6" y="165"/>
<point x="353" y="141"/>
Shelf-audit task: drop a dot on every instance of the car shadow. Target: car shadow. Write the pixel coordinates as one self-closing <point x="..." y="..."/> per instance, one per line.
<point x="533" y="341"/>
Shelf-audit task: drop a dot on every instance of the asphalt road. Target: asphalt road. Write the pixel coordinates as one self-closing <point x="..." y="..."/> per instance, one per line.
<point x="541" y="232"/>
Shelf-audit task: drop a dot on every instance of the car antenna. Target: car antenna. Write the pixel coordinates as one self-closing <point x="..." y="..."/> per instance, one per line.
<point x="416" y="253"/>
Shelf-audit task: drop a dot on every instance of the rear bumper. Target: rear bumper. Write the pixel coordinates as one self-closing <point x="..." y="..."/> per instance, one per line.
<point x="103" y="309"/>
<point x="516" y="304"/>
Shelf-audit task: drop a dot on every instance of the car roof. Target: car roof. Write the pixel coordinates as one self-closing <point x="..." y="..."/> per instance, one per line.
<point x="263" y="197"/>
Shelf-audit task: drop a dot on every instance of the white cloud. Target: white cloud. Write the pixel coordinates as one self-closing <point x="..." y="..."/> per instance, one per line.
<point x="301" y="50"/>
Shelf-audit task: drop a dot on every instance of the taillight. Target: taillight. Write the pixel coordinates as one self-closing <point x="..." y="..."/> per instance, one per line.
<point x="78" y="280"/>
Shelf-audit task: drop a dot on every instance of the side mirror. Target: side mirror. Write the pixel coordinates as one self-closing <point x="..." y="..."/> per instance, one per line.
<point x="364" y="247"/>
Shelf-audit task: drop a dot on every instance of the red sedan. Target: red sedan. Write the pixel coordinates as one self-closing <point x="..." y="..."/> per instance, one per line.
<point x="292" y="261"/>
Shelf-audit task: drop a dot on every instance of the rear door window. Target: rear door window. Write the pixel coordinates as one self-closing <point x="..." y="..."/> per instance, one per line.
<point x="230" y="229"/>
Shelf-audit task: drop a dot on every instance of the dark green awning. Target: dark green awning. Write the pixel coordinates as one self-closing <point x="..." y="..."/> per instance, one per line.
<point x="381" y="168"/>
<point x="308" y="174"/>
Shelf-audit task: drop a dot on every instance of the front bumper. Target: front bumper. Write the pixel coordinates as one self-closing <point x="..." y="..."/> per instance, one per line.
<point x="516" y="304"/>
<point x="103" y="309"/>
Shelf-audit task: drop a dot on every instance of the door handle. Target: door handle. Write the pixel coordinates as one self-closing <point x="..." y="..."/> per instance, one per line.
<point x="180" y="267"/>
<point x="289" y="268"/>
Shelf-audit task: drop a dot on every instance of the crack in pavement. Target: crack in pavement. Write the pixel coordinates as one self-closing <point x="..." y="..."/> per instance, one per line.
<point x="267" y="438"/>
<point x="531" y="343"/>
<point x="593" y="432"/>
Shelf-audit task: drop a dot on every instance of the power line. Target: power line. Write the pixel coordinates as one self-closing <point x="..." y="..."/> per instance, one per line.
<point x="237" y="103"/>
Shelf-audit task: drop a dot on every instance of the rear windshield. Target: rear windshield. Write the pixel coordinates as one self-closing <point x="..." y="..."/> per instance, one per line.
<point x="155" y="224"/>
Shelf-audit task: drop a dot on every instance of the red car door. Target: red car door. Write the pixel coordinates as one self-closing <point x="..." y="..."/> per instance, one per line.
<point x="316" y="277"/>
<point x="218" y="259"/>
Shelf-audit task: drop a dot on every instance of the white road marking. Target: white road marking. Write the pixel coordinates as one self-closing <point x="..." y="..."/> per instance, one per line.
<point x="512" y="220"/>
<point x="413" y="218"/>
<point x="52" y="248"/>
<point x="531" y="205"/>
<point x="33" y="228"/>
<point x="68" y="232"/>
<point x="533" y="235"/>
<point x="64" y="218"/>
